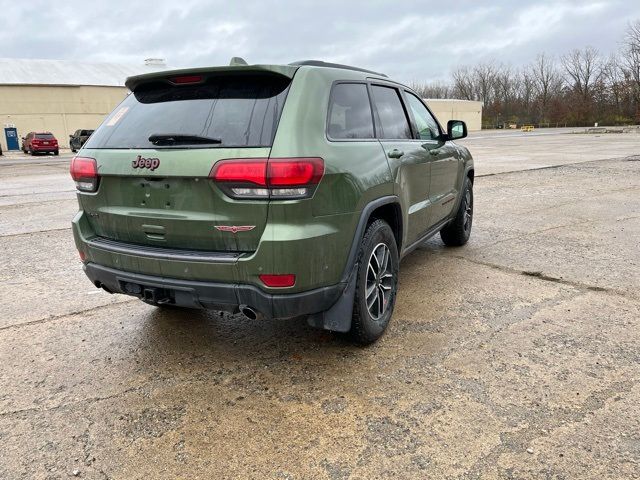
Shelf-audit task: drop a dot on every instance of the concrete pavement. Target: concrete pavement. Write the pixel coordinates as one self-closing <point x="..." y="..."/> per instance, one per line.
<point x="515" y="356"/>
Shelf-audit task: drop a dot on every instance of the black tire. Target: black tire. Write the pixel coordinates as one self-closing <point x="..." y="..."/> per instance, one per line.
<point x="458" y="231"/>
<point x="366" y="326"/>
<point x="57" y="152"/>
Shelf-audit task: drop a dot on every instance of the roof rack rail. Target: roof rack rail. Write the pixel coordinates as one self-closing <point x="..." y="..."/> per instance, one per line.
<point x="319" y="63"/>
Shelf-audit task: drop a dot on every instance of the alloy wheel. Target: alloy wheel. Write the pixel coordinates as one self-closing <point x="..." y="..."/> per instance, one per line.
<point x="379" y="284"/>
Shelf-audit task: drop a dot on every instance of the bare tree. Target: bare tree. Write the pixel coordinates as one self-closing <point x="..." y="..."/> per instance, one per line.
<point x="581" y="88"/>
<point x="547" y="81"/>
<point x="506" y="86"/>
<point x="631" y="61"/>
<point x="484" y="77"/>
<point x="584" y="69"/>
<point x="613" y="78"/>
<point x="526" y="92"/>
<point x="463" y="83"/>
<point x="437" y="89"/>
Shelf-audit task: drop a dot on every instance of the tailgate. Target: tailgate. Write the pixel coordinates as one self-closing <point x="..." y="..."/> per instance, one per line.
<point x="175" y="205"/>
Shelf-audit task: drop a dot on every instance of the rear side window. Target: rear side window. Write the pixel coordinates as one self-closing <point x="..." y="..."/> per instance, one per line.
<point x="393" y="119"/>
<point x="44" y="136"/>
<point x="350" y="112"/>
<point x="239" y="110"/>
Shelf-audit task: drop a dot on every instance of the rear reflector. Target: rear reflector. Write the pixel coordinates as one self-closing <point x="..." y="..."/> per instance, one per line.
<point x="83" y="257"/>
<point x="84" y="172"/>
<point x="278" y="280"/>
<point x="282" y="178"/>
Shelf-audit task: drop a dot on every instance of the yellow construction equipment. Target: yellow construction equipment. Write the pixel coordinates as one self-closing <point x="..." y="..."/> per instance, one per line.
<point x="527" y="128"/>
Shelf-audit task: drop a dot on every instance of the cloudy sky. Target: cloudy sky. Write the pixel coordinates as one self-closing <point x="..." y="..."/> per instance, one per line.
<point x="409" y="40"/>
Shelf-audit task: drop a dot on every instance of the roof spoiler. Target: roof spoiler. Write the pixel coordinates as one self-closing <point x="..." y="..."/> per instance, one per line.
<point x="163" y="76"/>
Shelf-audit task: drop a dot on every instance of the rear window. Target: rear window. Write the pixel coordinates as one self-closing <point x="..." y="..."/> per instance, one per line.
<point x="240" y="111"/>
<point x="45" y="136"/>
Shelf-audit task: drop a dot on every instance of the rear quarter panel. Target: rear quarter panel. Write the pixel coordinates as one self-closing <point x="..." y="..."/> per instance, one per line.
<point x="320" y="230"/>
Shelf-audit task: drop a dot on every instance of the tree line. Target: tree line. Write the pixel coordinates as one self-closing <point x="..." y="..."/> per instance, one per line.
<point x="578" y="88"/>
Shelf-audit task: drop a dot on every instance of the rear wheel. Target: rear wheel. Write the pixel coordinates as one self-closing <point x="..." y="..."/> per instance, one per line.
<point x="57" y="152"/>
<point x="458" y="231"/>
<point x="376" y="285"/>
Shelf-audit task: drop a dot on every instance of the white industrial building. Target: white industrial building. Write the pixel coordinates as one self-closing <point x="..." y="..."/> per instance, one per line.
<point x="469" y="111"/>
<point x="60" y="96"/>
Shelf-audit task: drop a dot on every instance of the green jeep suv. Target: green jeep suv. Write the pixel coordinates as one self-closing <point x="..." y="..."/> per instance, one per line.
<point x="276" y="191"/>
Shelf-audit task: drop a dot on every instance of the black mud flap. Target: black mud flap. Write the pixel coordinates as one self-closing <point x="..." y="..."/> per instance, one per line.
<point x="338" y="317"/>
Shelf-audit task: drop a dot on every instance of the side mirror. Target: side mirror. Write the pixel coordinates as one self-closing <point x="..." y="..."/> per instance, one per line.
<point x="456" y="129"/>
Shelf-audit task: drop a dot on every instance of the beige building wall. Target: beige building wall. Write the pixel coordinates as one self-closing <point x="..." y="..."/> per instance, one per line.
<point x="466" y="110"/>
<point x="60" y="110"/>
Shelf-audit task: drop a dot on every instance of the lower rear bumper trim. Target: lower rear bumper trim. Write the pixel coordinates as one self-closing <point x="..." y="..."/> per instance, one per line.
<point x="216" y="296"/>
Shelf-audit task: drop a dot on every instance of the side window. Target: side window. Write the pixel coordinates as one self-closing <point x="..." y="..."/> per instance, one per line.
<point x="427" y="125"/>
<point x="393" y="119"/>
<point x="350" y="112"/>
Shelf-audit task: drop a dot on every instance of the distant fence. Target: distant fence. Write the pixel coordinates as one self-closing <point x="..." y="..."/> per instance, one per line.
<point x="518" y="126"/>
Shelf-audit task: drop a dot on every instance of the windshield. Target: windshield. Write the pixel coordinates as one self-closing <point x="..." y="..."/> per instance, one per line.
<point x="239" y="110"/>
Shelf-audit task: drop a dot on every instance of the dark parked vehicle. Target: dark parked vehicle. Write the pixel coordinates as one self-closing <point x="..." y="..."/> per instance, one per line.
<point x="277" y="191"/>
<point x="77" y="140"/>
<point x="40" y="142"/>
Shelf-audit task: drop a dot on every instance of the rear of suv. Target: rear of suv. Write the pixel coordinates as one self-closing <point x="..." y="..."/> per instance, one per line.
<point x="276" y="191"/>
<point x="40" y="142"/>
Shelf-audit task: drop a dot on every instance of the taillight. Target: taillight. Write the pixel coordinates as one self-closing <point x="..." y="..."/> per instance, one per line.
<point x="84" y="172"/>
<point x="282" y="178"/>
<point x="278" y="280"/>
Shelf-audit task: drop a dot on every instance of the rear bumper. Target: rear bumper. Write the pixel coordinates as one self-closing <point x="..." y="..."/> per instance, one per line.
<point x="44" y="148"/>
<point x="214" y="296"/>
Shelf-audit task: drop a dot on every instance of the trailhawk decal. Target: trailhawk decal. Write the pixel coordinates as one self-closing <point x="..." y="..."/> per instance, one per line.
<point x="234" y="228"/>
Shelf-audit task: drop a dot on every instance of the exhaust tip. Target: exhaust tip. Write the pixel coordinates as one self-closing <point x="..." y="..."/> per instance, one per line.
<point x="249" y="312"/>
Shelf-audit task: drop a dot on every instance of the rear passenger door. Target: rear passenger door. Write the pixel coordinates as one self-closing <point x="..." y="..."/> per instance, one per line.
<point x="409" y="162"/>
<point x="443" y="157"/>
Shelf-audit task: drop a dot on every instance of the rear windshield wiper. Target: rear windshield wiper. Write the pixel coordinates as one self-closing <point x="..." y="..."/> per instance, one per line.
<point x="181" y="139"/>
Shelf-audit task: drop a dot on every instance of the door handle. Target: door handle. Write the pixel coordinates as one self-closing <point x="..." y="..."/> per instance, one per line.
<point x="395" y="153"/>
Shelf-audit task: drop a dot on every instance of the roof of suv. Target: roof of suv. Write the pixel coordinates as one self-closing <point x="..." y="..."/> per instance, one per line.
<point x="287" y="70"/>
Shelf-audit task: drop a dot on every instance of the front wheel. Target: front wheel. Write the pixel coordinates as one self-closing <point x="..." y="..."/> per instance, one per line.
<point x="458" y="231"/>
<point x="376" y="285"/>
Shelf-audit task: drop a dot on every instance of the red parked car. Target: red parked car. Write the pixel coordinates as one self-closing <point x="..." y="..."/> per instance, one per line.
<point x="40" y="142"/>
